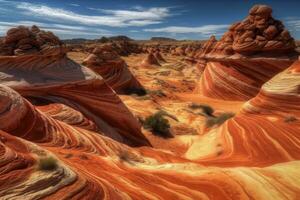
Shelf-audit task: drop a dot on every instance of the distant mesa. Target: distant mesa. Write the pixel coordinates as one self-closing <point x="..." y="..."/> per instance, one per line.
<point x="106" y="62"/>
<point x="103" y="39"/>
<point x="162" y="39"/>
<point x="120" y="38"/>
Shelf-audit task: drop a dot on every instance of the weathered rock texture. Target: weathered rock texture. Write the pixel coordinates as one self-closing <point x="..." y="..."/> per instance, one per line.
<point x="150" y="60"/>
<point x="259" y="33"/>
<point x="246" y="57"/>
<point x="49" y="75"/>
<point x="106" y="62"/>
<point x="23" y="40"/>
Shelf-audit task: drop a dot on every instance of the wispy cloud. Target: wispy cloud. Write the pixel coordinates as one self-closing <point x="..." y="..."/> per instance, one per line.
<point x="74" y="4"/>
<point x="112" y="18"/>
<point x="204" y="30"/>
<point x="293" y="22"/>
<point x="293" y="25"/>
<point x="59" y="29"/>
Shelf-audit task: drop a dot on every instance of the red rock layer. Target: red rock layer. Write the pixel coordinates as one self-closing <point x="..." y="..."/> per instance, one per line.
<point x="149" y="61"/>
<point x="51" y="76"/>
<point x="266" y="131"/>
<point x="257" y="158"/>
<point x="247" y="56"/>
<point x="113" y="69"/>
<point x="237" y="79"/>
<point x="158" y="56"/>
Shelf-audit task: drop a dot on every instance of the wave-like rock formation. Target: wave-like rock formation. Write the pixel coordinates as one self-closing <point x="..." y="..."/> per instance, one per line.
<point x="51" y="76"/>
<point x="158" y="56"/>
<point x="253" y="157"/>
<point x="150" y="60"/>
<point x="51" y="107"/>
<point x="246" y="57"/>
<point x="113" y="69"/>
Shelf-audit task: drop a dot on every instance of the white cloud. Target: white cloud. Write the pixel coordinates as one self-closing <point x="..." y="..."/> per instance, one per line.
<point x="63" y="31"/>
<point x="204" y="30"/>
<point x="293" y="22"/>
<point x="74" y="4"/>
<point x="113" y="18"/>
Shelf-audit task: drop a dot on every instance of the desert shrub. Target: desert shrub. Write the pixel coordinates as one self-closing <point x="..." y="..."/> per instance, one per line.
<point x="289" y="119"/>
<point x="218" y="120"/>
<point x="137" y="91"/>
<point x="158" y="124"/>
<point x="47" y="163"/>
<point x="206" y="109"/>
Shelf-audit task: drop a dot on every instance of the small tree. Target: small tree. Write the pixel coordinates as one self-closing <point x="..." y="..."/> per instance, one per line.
<point x="206" y="109"/>
<point x="211" y="121"/>
<point x="137" y="91"/>
<point x="158" y="124"/>
<point x="47" y="163"/>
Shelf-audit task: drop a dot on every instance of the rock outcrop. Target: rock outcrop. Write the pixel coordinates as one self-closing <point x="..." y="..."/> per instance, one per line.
<point x="158" y="56"/>
<point x="113" y="69"/>
<point x="259" y="34"/>
<point x="50" y="76"/>
<point x="23" y="40"/>
<point x="246" y="57"/>
<point x="150" y="60"/>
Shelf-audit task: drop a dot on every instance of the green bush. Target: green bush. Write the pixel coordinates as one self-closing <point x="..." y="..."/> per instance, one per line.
<point x="206" y="109"/>
<point x="137" y="91"/>
<point x="158" y="124"/>
<point x="211" y="121"/>
<point x="47" y="163"/>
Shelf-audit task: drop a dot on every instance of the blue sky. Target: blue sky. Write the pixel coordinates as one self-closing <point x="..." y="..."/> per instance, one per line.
<point x="181" y="19"/>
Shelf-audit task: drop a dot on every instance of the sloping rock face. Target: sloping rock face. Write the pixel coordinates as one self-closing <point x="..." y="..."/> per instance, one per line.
<point x="92" y="166"/>
<point x="178" y="51"/>
<point x="50" y="76"/>
<point x="51" y="110"/>
<point x="272" y="118"/>
<point x="158" y="56"/>
<point x="150" y="60"/>
<point x="113" y="69"/>
<point x="247" y="56"/>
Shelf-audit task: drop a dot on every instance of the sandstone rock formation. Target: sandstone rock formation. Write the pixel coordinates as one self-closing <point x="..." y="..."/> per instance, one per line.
<point x="149" y="61"/>
<point x="51" y="107"/>
<point x="265" y="126"/>
<point x="158" y="56"/>
<point x="49" y="75"/>
<point x="246" y="57"/>
<point x="178" y="51"/>
<point x="259" y="33"/>
<point x="23" y="40"/>
<point x="91" y="166"/>
<point x="113" y="69"/>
